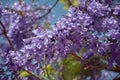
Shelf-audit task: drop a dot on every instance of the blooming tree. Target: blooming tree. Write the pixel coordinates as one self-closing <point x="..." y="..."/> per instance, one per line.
<point x="86" y="40"/>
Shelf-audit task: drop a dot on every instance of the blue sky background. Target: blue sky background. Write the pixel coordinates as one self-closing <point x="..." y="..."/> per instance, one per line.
<point x="58" y="10"/>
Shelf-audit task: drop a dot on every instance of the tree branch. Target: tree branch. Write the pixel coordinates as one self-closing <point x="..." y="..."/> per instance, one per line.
<point x="47" y="72"/>
<point x="5" y="34"/>
<point x="69" y="3"/>
<point x="88" y="66"/>
<point x="33" y="75"/>
<point x="78" y="58"/>
<point x="49" y="10"/>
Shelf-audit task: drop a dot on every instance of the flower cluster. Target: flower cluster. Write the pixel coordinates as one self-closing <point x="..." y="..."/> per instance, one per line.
<point x="94" y="28"/>
<point x="20" y="19"/>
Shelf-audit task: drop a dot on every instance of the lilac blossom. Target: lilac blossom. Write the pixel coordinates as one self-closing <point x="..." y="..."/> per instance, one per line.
<point x="92" y="30"/>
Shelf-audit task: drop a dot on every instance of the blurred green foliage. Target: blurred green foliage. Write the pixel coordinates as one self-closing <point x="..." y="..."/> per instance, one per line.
<point x="24" y="73"/>
<point x="68" y="3"/>
<point x="71" y="68"/>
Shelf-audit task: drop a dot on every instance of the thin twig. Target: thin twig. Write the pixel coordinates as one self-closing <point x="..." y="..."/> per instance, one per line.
<point x="49" y="10"/>
<point x="47" y="72"/>
<point x="33" y="75"/>
<point x="118" y="75"/>
<point x="78" y="58"/>
<point x="69" y="3"/>
<point x="88" y="66"/>
<point x="46" y="69"/>
<point x="5" y="34"/>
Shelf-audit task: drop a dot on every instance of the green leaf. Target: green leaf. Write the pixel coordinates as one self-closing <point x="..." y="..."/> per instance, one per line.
<point x="35" y="26"/>
<point x="24" y="73"/>
<point x="75" y="2"/>
<point x="47" y="25"/>
<point x="66" y="7"/>
<point x="66" y="3"/>
<point x="62" y="1"/>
